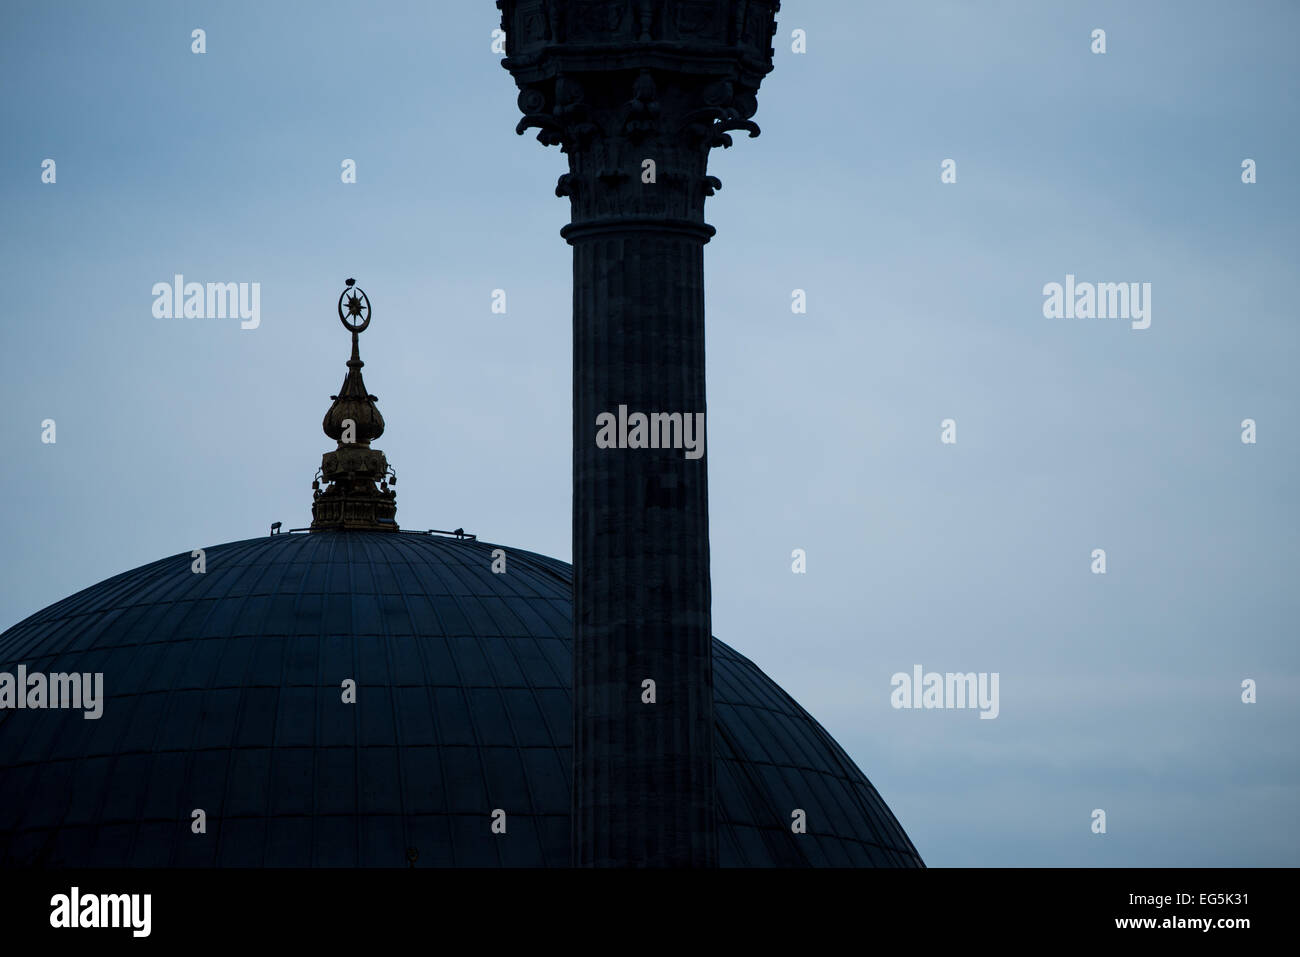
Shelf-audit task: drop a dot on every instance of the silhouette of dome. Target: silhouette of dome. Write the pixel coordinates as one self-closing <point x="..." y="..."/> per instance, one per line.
<point x="222" y="691"/>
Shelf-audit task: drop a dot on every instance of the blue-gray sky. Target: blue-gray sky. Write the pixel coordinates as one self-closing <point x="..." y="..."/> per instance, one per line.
<point x="1119" y="691"/>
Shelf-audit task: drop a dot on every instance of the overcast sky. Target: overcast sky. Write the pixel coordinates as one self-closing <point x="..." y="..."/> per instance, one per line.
<point x="1119" y="692"/>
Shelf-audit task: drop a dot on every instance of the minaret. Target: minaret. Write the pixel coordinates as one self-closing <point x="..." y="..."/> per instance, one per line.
<point x="355" y="477"/>
<point x="636" y="93"/>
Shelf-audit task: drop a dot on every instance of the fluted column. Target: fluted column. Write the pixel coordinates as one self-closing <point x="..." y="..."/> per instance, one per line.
<point x="637" y="94"/>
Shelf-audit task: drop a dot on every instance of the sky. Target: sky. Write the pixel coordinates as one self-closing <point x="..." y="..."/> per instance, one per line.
<point x="1119" y="691"/>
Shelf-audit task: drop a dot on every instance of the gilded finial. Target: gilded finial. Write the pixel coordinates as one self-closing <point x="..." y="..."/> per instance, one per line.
<point x="356" y="479"/>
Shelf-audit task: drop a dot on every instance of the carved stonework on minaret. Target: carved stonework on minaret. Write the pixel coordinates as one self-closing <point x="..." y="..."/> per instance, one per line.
<point x="706" y="38"/>
<point x="612" y="111"/>
<point x="353" y="489"/>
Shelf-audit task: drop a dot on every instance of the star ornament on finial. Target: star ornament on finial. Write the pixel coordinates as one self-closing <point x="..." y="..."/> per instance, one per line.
<point x="354" y="304"/>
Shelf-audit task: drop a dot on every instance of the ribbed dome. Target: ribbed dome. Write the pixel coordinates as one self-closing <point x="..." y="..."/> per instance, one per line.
<point x="222" y="692"/>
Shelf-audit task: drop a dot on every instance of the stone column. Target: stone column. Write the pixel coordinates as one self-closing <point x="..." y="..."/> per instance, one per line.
<point x="636" y="93"/>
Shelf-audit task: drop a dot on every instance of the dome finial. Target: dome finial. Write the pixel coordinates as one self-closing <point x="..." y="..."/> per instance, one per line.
<point x="350" y="498"/>
<point x="358" y="305"/>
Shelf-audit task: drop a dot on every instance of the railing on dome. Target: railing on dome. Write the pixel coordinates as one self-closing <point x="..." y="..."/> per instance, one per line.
<point x="457" y="533"/>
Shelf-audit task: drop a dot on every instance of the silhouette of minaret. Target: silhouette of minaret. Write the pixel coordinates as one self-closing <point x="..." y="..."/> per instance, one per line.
<point x="636" y="93"/>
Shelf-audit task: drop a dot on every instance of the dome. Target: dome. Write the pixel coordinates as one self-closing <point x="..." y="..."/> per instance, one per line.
<point x="222" y="692"/>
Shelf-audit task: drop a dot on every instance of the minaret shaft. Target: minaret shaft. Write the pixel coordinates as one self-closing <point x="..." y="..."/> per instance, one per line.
<point x="636" y="94"/>
<point x="643" y="772"/>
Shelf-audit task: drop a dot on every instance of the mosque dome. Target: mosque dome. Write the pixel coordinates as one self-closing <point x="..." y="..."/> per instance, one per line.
<point x="222" y="692"/>
<point x="361" y="695"/>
